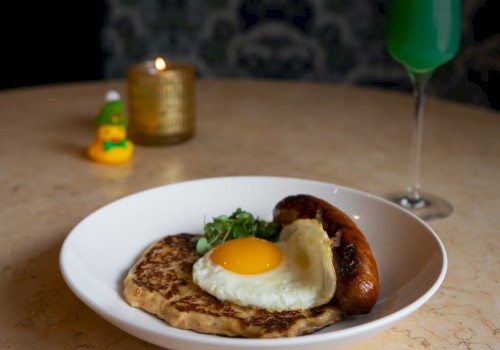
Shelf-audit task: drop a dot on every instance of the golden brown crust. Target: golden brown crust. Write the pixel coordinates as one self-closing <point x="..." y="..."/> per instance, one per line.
<point x="160" y="283"/>
<point x="357" y="274"/>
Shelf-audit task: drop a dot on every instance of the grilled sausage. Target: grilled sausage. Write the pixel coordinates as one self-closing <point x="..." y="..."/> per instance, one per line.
<point x="357" y="274"/>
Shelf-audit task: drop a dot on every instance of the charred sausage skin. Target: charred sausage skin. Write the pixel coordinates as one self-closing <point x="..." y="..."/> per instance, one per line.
<point x="357" y="274"/>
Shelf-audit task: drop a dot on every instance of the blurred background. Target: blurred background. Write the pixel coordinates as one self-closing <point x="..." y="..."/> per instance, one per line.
<point x="338" y="41"/>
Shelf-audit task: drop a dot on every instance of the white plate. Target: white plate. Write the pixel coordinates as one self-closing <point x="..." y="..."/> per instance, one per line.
<point x="99" y="251"/>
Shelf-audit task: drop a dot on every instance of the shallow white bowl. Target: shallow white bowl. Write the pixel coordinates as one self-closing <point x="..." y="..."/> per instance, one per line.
<point x="99" y="251"/>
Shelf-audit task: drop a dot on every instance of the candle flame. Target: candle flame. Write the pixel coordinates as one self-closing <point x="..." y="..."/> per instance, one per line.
<point x="160" y="64"/>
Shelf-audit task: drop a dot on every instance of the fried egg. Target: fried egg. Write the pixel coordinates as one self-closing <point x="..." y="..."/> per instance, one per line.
<point x="294" y="273"/>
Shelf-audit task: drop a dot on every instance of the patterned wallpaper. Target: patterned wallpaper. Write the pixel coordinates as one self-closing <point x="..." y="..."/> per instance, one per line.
<point x="340" y="41"/>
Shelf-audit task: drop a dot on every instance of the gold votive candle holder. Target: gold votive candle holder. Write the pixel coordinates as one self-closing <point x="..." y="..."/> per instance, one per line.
<point x="161" y="98"/>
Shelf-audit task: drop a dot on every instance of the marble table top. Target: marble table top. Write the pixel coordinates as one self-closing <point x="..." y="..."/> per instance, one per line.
<point x="355" y="137"/>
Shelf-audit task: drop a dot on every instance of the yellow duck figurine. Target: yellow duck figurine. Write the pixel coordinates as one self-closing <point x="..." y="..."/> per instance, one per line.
<point x="111" y="145"/>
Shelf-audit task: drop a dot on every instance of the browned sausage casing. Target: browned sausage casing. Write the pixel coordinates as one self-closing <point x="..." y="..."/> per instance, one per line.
<point x="357" y="274"/>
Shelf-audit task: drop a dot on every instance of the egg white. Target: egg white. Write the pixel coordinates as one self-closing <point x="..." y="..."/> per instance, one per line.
<point x="304" y="279"/>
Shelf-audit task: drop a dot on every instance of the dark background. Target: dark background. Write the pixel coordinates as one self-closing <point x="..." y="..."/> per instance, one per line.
<point x="60" y="41"/>
<point x="50" y="42"/>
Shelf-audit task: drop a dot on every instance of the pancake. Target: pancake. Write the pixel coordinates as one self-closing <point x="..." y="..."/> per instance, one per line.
<point x="161" y="283"/>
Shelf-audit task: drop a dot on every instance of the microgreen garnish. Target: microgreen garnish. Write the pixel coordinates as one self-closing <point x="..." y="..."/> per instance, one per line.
<point x="238" y="225"/>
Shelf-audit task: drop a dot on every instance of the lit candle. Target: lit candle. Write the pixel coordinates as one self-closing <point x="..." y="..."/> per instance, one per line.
<point x="161" y="102"/>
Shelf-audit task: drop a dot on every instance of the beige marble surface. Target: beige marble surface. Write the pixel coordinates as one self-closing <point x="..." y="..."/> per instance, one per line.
<point x="351" y="136"/>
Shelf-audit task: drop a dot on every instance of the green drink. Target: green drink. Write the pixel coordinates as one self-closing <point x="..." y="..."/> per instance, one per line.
<point x="424" y="34"/>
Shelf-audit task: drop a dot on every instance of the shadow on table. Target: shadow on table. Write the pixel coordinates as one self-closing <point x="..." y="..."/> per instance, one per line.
<point x="39" y="311"/>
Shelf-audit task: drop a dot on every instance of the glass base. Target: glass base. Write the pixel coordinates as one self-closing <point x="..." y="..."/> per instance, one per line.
<point x="428" y="207"/>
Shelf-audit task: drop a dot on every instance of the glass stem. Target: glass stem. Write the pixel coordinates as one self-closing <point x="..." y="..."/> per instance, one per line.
<point x="419" y="81"/>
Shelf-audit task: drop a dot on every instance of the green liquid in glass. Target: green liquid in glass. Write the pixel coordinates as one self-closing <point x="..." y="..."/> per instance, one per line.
<point x="424" y="34"/>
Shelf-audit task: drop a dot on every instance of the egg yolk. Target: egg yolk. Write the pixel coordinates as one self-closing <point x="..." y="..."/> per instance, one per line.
<point x="247" y="256"/>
